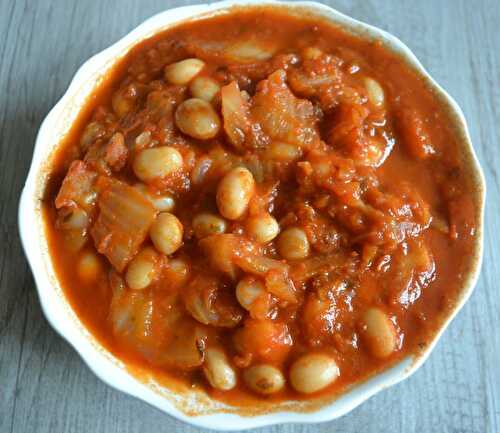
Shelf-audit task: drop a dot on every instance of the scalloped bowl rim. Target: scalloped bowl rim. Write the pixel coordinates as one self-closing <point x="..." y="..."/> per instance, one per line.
<point x="64" y="320"/>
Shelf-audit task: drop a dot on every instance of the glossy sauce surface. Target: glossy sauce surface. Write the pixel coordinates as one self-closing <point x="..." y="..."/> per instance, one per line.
<point x="262" y="211"/>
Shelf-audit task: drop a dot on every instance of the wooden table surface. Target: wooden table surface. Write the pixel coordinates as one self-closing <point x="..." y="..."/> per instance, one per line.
<point x="46" y="388"/>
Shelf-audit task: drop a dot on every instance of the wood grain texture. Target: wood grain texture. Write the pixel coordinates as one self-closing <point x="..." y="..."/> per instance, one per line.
<point x="46" y="388"/>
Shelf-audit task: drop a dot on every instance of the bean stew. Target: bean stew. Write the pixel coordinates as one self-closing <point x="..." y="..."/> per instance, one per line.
<point x="262" y="206"/>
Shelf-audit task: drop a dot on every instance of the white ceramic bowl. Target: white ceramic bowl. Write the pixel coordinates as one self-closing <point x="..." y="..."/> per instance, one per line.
<point x="208" y="413"/>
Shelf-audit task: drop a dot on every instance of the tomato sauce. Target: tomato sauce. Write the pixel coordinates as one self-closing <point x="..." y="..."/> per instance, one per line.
<point x="262" y="211"/>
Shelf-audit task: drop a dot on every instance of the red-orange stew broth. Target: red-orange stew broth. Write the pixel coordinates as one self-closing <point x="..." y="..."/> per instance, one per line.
<point x="263" y="206"/>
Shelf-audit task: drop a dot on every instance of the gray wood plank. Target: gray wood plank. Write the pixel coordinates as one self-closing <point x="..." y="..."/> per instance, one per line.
<point x="45" y="387"/>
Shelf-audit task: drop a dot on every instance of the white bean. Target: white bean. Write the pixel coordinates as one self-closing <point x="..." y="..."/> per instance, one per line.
<point x="248" y="290"/>
<point x="73" y="219"/>
<point x="379" y="333"/>
<point x="183" y="72"/>
<point x="142" y="269"/>
<point x="204" y="88"/>
<point x="263" y="228"/>
<point x="234" y="193"/>
<point x="375" y="91"/>
<point x="249" y="51"/>
<point x="161" y="202"/>
<point x="218" y="371"/>
<point x="264" y="379"/>
<point x="313" y="372"/>
<point x="198" y="119"/>
<point x="158" y="162"/>
<point x="164" y="202"/>
<point x="293" y="244"/>
<point x="166" y="233"/>
<point x="89" y="267"/>
<point x="206" y="224"/>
